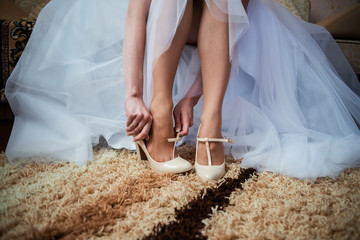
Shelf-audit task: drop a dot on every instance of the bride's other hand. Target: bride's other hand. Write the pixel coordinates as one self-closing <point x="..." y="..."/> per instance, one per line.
<point x="139" y="119"/>
<point x="184" y="115"/>
<point x="184" y="110"/>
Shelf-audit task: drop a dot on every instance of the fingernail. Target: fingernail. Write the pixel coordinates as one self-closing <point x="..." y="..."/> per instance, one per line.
<point x="177" y="130"/>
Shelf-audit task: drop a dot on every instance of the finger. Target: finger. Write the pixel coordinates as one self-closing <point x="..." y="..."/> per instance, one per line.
<point x="134" y="123"/>
<point x="134" y="132"/>
<point x="138" y="128"/>
<point x="130" y="118"/>
<point x="185" y="126"/>
<point x="177" y="121"/>
<point x="144" y="134"/>
<point x="191" y="118"/>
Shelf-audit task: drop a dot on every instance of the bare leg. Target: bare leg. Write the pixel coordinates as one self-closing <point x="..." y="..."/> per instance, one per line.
<point x="162" y="104"/>
<point x="213" y="43"/>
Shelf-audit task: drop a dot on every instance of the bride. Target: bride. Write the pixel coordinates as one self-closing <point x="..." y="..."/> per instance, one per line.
<point x="277" y="86"/>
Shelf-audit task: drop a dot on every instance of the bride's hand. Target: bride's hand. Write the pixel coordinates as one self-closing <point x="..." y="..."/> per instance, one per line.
<point x="184" y="115"/>
<point x="139" y="119"/>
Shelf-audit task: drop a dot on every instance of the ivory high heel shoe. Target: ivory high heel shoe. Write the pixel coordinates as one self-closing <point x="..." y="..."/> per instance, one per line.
<point x="209" y="172"/>
<point x="176" y="165"/>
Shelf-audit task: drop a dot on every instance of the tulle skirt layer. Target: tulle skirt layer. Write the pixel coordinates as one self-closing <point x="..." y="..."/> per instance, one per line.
<point x="288" y="107"/>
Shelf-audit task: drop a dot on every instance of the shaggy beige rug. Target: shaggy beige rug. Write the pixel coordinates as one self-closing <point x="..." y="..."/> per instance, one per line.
<point x="118" y="197"/>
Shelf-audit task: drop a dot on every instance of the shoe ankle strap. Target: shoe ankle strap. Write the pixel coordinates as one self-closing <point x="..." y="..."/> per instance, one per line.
<point x="174" y="140"/>
<point x="207" y="140"/>
<point x="214" y="140"/>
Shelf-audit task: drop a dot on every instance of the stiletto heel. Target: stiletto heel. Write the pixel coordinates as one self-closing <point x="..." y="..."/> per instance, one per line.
<point x="140" y="153"/>
<point x="209" y="172"/>
<point x="175" y="165"/>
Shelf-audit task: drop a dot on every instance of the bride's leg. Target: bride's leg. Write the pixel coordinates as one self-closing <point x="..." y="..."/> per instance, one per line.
<point x="162" y="104"/>
<point x="213" y="43"/>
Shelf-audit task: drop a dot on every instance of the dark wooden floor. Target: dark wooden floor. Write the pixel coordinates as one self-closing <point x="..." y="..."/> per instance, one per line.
<point x="5" y="130"/>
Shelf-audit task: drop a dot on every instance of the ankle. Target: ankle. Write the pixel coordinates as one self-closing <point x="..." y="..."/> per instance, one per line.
<point x="211" y="116"/>
<point x="210" y="126"/>
<point x="161" y="108"/>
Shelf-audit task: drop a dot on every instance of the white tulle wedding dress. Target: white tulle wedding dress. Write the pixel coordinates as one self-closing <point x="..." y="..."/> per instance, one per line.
<point x="291" y="105"/>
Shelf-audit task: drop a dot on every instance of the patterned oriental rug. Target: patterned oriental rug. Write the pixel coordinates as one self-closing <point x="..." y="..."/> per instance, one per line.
<point x="118" y="197"/>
